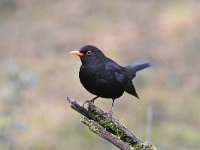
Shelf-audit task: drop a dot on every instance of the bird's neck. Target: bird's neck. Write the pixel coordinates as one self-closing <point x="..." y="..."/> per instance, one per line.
<point x="95" y="61"/>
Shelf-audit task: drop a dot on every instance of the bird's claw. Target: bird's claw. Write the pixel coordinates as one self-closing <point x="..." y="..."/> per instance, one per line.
<point x="88" y="101"/>
<point x="110" y="115"/>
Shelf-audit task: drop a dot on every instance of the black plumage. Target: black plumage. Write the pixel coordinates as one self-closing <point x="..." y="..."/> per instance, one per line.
<point x="103" y="77"/>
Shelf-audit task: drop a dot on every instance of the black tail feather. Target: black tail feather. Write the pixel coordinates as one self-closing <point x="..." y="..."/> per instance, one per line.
<point x="129" y="88"/>
<point x="131" y="72"/>
<point x="138" y="66"/>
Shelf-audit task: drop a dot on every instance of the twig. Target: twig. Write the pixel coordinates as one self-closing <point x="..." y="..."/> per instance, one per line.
<point x="109" y="128"/>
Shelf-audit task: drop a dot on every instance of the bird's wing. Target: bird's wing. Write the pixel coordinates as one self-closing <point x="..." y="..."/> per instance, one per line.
<point x="118" y="73"/>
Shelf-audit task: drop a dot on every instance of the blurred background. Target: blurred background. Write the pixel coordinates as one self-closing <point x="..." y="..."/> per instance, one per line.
<point x="37" y="73"/>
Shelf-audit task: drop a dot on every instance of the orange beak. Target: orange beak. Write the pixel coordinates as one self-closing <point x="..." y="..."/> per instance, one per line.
<point x="76" y="53"/>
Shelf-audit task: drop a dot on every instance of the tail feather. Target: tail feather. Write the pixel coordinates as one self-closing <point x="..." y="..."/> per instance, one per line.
<point x="130" y="88"/>
<point x="138" y="66"/>
<point x="131" y="72"/>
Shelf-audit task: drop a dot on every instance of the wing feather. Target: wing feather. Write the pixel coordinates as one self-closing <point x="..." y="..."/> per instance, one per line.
<point x="120" y="77"/>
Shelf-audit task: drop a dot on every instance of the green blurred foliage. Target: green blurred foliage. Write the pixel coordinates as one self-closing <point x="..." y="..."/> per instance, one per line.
<point x="37" y="36"/>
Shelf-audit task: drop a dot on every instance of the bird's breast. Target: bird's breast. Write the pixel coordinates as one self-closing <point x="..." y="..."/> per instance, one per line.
<point x="97" y="81"/>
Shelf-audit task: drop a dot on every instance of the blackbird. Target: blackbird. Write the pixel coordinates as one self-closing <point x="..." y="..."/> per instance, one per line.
<point x="103" y="77"/>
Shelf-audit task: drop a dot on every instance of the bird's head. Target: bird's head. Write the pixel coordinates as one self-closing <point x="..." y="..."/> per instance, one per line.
<point x="89" y="54"/>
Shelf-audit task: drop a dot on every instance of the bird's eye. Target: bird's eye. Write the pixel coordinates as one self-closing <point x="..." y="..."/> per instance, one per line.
<point x="88" y="53"/>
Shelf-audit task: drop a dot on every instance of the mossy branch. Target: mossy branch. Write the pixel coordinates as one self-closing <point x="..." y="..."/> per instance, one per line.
<point x="109" y="128"/>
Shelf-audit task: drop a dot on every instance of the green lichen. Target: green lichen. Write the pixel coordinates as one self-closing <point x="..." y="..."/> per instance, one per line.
<point x="104" y="121"/>
<point x="131" y="148"/>
<point x="99" y="117"/>
<point x="110" y="126"/>
<point x="144" y="146"/>
<point x="89" y="123"/>
<point x="93" y="129"/>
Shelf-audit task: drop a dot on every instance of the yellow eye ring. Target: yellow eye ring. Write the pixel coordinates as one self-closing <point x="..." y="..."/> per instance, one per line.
<point x="88" y="53"/>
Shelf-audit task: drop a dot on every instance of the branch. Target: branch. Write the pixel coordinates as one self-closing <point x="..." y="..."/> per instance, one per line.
<point x="109" y="128"/>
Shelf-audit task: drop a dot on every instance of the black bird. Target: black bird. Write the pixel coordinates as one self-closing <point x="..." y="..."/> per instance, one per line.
<point x="103" y="77"/>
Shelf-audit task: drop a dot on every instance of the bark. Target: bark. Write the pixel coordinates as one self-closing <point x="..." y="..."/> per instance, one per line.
<point x="109" y="128"/>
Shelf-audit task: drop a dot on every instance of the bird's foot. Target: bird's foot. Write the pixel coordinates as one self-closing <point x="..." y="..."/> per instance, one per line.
<point x="88" y="101"/>
<point x="110" y="115"/>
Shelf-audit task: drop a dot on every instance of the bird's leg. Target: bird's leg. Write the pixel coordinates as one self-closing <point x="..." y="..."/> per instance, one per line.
<point x="111" y="109"/>
<point x="90" y="101"/>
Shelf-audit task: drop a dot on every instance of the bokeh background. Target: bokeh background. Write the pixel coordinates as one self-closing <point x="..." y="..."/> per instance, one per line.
<point x="37" y="73"/>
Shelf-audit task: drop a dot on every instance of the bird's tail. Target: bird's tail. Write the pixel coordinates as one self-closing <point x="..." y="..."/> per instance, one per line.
<point x="138" y="66"/>
<point x="131" y="72"/>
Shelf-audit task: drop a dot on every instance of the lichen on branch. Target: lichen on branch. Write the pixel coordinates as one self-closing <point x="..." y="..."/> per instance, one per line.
<point x="109" y="128"/>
